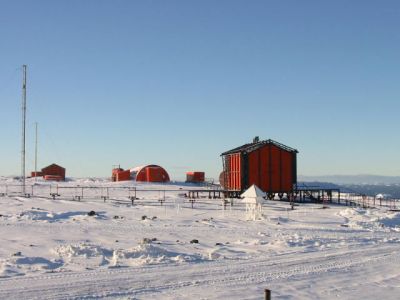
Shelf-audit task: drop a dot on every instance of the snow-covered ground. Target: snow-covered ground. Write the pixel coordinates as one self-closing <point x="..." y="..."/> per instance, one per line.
<point x="52" y="249"/>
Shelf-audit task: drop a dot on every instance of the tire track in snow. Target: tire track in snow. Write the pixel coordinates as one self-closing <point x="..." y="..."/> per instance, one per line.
<point x="291" y="270"/>
<point x="146" y="281"/>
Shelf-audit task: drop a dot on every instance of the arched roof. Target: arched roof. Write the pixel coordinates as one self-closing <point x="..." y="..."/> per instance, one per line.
<point x="148" y="173"/>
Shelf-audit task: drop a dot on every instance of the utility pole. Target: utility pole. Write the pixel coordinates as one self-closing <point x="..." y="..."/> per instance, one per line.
<point x="36" y="148"/>
<point x="23" y="128"/>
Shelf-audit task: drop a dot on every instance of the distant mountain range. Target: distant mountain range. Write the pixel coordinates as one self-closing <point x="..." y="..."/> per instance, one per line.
<point x="351" y="179"/>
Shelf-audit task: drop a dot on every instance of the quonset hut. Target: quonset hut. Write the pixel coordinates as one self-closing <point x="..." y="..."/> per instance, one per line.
<point x="150" y="173"/>
<point x="119" y="174"/>
<point x="268" y="164"/>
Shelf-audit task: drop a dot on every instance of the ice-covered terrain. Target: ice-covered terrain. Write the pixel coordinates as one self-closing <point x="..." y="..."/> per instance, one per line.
<point x="52" y="249"/>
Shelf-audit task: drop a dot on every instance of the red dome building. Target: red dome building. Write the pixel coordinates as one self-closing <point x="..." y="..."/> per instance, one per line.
<point x="150" y="173"/>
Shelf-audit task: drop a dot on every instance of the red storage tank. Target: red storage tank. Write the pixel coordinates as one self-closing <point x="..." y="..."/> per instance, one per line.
<point x="195" y="176"/>
<point x="150" y="173"/>
<point x="268" y="164"/>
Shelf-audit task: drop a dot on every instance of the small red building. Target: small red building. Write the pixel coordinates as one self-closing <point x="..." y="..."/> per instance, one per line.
<point x="119" y="174"/>
<point x="268" y="164"/>
<point x="53" y="172"/>
<point x="123" y="175"/>
<point x="36" y="174"/>
<point x="195" y="177"/>
<point x="115" y="172"/>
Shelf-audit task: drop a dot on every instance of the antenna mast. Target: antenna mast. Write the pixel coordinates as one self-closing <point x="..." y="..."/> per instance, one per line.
<point x="36" y="148"/>
<point x="23" y="128"/>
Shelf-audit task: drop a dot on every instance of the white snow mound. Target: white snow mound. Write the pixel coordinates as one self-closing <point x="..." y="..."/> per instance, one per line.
<point x="148" y="254"/>
<point x="371" y="219"/>
<point x="137" y="256"/>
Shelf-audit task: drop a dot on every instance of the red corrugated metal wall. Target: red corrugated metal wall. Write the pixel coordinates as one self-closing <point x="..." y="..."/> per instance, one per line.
<point x="264" y="169"/>
<point x="123" y="175"/>
<point x="269" y="167"/>
<point x="275" y="168"/>
<point x="253" y="164"/>
<point x="287" y="173"/>
<point x="233" y="175"/>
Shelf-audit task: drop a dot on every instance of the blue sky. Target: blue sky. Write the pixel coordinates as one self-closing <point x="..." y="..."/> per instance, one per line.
<point x="176" y="83"/>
